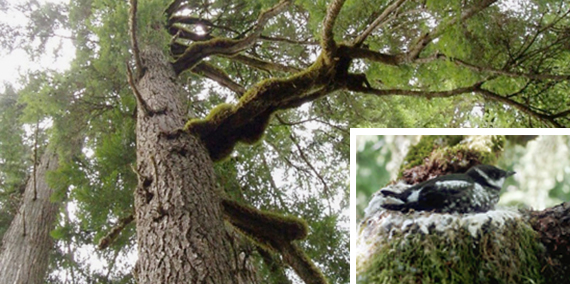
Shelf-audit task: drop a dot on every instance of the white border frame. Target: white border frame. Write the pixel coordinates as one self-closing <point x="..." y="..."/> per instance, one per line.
<point x="420" y="131"/>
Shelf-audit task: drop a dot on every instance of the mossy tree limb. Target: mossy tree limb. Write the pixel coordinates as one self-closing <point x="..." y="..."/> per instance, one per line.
<point x="225" y="46"/>
<point x="246" y="121"/>
<point x="328" y="43"/>
<point x="275" y="232"/>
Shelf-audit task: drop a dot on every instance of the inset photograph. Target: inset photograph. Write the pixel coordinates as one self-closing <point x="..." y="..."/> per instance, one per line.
<point x="462" y="209"/>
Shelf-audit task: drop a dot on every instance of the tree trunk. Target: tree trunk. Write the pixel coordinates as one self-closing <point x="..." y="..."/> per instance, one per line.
<point x="182" y="237"/>
<point x="26" y="245"/>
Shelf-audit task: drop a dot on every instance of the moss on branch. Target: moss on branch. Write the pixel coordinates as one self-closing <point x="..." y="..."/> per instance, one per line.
<point x="268" y="229"/>
<point x="275" y="232"/>
<point x="246" y="121"/>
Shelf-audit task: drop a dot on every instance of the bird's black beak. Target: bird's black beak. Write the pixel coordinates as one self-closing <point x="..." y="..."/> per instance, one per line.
<point x="510" y="173"/>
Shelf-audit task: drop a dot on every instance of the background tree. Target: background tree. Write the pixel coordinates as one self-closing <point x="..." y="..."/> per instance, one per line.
<point x="27" y="243"/>
<point x="27" y="212"/>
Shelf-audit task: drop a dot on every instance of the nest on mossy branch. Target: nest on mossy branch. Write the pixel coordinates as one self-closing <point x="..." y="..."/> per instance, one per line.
<point x="497" y="246"/>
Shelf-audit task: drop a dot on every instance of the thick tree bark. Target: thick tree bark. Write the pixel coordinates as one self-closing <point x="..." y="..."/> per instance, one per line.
<point x="26" y="245"/>
<point x="182" y="237"/>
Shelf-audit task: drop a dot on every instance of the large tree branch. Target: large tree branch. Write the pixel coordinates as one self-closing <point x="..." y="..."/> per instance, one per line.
<point x="381" y="19"/>
<point x="261" y="64"/>
<point x="246" y="121"/>
<point x="544" y="118"/>
<point x="327" y="36"/>
<point x="494" y="71"/>
<point x="212" y="72"/>
<point x="414" y="93"/>
<point x="224" y="46"/>
<point x="134" y="42"/>
<point x="275" y="232"/>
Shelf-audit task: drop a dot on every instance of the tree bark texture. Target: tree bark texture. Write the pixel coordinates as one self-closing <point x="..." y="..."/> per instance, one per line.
<point x="182" y="236"/>
<point x="27" y="243"/>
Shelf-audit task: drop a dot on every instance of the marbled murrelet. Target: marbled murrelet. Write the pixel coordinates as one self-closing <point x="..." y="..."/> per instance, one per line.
<point x="477" y="190"/>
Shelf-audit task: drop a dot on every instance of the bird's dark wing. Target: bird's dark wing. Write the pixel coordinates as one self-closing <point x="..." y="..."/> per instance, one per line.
<point x="399" y="195"/>
<point x="440" y="193"/>
<point x="432" y="195"/>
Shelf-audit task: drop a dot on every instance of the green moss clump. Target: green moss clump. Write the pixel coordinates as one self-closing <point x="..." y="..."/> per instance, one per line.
<point x="498" y="143"/>
<point x="451" y="154"/>
<point x="205" y="126"/>
<point x="217" y="113"/>
<point x="418" y="153"/>
<point x="508" y="257"/>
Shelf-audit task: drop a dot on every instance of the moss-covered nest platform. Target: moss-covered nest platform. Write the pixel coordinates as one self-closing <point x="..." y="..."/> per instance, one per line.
<point x="497" y="246"/>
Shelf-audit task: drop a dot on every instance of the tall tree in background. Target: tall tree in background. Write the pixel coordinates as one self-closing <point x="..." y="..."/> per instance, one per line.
<point x="28" y="214"/>
<point x="26" y="245"/>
